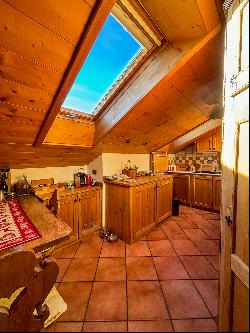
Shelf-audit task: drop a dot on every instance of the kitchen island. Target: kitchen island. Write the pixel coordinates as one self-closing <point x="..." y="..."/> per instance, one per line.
<point x="135" y="206"/>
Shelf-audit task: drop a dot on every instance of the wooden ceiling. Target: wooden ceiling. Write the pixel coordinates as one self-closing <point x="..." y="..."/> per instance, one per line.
<point x="36" y="49"/>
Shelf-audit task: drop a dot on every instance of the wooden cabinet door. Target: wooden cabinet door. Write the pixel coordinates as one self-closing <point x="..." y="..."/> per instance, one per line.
<point x="143" y="208"/>
<point x="68" y="212"/>
<point x="202" y="191"/>
<point x="90" y="212"/>
<point x="217" y="141"/>
<point x="164" y="192"/>
<point x="204" y="145"/>
<point x="181" y="188"/>
<point x="234" y="261"/>
<point x="216" y="193"/>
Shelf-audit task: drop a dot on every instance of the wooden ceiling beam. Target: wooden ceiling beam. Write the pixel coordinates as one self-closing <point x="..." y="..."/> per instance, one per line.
<point x="184" y="140"/>
<point x="162" y="64"/>
<point x="100" y="12"/>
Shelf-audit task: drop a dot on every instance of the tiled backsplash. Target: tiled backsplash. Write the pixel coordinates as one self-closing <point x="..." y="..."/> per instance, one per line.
<point x="184" y="157"/>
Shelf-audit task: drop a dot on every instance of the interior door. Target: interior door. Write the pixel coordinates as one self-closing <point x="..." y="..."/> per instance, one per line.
<point x="234" y="273"/>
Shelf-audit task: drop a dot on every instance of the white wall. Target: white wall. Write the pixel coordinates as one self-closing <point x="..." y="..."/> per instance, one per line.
<point x="60" y="174"/>
<point x="114" y="163"/>
<point x="97" y="165"/>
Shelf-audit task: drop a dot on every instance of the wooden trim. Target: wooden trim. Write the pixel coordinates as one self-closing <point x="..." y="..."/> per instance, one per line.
<point x="164" y="62"/>
<point x="100" y="12"/>
<point x="195" y="134"/>
<point x="240" y="269"/>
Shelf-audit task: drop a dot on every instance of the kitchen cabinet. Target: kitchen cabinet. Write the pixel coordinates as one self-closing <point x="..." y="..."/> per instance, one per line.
<point x="134" y="208"/>
<point x="159" y="162"/>
<point x="210" y="143"/>
<point x="181" y="188"/>
<point x="79" y="208"/>
<point x="202" y="191"/>
<point x="164" y="199"/>
<point x="198" y="190"/>
<point x="216" y="192"/>
<point x="143" y="214"/>
<point x="90" y="210"/>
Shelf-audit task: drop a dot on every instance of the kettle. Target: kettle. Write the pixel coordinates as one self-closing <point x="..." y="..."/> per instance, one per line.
<point x="88" y="180"/>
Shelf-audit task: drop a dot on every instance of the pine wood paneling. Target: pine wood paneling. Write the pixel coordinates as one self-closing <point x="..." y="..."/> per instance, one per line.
<point x="186" y="21"/>
<point x="53" y="14"/>
<point x="180" y="102"/>
<point x="24" y="36"/>
<point x="37" y="77"/>
<point x="79" y="133"/>
<point x="16" y="94"/>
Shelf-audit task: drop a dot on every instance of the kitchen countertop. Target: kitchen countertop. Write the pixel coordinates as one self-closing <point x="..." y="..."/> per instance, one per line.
<point x="138" y="180"/>
<point x="51" y="229"/>
<point x="194" y="173"/>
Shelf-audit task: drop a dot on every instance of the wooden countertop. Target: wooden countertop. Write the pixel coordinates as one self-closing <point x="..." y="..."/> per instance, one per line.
<point x="194" y="173"/>
<point x="52" y="230"/>
<point x="45" y="193"/>
<point x="130" y="182"/>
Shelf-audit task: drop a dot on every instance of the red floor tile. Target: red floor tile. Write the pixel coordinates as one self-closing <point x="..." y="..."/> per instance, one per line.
<point x="207" y="247"/>
<point x="214" y="261"/>
<point x="173" y="231"/>
<point x="185" y="247"/>
<point x="67" y="253"/>
<point x="113" y="249"/>
<point x="111" y="269"/>
<point x="183" y="300"/>
<point x="157" y="234"/>
<point x="181" y="216"/>
<point x="145" y="301"/>
<point x="76" y="296"/>
<point x="68" y="327"/>
<point x="195" y="325"/>
<point x="82" y="269"/>
<point x="63" y="266"/>
<point x="150" y="326"/>
<point x="161" y="248"/>
<point x="195" y="234"/>
<point x="209" y="290"/>
<point x="186" y="224"/>
<point x="138" y="249"/>
<point x="202" y="223"/>
<point x="193" y="216"/>
<point x="107" y="302"/>
<point x="140" y="268"/>
<point x="198" y="267"/>
<point x="105" y="326"/>
<point x="185" y="209"/>
<point x="90" y="249"/>
<point x="170" y="268"/>
<point x="212" y="233"/>
<point x="210" y="216"/>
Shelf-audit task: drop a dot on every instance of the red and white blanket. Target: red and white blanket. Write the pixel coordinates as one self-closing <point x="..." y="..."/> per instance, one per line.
<point x="15" y="226"/>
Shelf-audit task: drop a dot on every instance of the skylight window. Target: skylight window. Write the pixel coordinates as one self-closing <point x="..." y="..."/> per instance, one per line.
<point x="112" y="54"/>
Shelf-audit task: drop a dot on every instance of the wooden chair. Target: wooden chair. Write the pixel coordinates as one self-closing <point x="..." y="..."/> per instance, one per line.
<point x="25" y="282"/>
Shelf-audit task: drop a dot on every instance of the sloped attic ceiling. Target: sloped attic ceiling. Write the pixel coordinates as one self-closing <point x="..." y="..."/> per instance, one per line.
<point x="36" y="48"/>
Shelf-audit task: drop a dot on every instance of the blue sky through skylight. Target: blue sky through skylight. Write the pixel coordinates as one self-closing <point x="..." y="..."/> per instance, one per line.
<point x="112" y="52"/>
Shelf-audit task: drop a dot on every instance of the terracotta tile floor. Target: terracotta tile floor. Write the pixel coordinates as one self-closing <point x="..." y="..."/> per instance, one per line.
<point x="166" y="282"/>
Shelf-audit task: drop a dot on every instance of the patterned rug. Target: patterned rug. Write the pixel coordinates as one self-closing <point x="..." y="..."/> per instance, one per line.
<point x="15" y="226"/>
